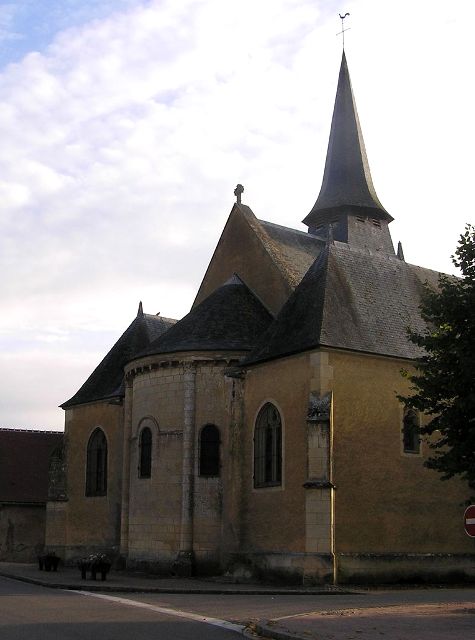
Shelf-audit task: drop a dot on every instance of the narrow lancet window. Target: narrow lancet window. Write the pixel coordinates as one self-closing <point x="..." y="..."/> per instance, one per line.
<point x="96" y="464"/>
<point x="268" y="447"/>
<point x="209" y="451"/>
<point x="145" y="445"/>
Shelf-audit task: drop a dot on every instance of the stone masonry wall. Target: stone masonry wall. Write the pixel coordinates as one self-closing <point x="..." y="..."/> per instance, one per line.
<point x="211" y="404"/>
<point x="156" y="502"/>
<point x="92" y="522"/>
<point x="22" y="532"/>
<point x="274" y="517"/>
<point x="386" y="501"/>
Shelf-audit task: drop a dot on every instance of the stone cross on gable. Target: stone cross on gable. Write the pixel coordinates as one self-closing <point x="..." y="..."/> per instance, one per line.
<point x="238" y="192"/>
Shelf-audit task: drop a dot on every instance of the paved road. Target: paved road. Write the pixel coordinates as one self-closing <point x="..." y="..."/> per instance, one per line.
<point x="30" y="612"/>
<point x="247" y="608"/>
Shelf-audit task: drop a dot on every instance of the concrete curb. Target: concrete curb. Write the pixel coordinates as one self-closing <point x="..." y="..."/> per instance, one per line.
<point x="103" y="587"/>
<point x="264" y="629"/>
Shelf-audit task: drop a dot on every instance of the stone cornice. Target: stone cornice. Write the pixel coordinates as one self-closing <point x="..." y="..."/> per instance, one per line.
<point x="175" y="360"/>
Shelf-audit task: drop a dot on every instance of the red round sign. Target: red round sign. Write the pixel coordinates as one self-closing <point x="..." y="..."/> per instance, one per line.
<point x="469" y="520"/>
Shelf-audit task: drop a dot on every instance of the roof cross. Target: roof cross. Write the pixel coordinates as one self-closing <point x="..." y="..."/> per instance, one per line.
<point x="238" y="192"/>
<point x="342" y="32"/>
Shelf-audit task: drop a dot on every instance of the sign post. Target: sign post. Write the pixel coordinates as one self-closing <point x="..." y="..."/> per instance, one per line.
<point x="469" y="520"/>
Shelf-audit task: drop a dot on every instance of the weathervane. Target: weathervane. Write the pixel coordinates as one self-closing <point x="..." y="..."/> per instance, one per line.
<point x="342" y="32"/>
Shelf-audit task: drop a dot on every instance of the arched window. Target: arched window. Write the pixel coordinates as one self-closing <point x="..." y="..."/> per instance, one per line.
<point x="410" y="432"/>
<point x="268" y="447"/>
<point x="96" y="464"/>
<point x="145" y="459"/>
<point x="209" y="451"/>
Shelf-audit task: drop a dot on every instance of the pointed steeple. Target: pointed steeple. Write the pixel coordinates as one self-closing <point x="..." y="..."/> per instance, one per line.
<point x="140" y="310"/>
<point x="347" y="185"/>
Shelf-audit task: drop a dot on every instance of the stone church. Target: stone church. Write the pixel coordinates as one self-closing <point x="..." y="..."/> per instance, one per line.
<point x="261" y="434"/>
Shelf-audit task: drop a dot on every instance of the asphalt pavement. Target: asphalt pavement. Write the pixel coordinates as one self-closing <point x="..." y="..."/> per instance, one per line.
<point x="281" y="612"/>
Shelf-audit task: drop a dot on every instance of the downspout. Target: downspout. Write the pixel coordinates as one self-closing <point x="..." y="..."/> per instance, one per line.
<point x="331" y="477"/>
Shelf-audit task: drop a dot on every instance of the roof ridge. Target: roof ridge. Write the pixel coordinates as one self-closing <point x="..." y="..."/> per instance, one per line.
<point x="281" y="226"/>
<point x="271" y="247"/>
<point x="234" y="279"/>
<point x="272" y="343"/>
<point x="228" y="319"/>
<point x="159" y="316"/>
<point x="325" y="253"/>
<point x="106" y="380"/>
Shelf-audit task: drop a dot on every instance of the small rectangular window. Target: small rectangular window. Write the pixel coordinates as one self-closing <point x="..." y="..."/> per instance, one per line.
<point x="410" y="432"/>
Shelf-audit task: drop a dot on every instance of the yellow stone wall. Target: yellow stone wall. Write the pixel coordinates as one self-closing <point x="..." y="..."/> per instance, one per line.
<point x="274" y="517"/>
<point x="212" y="405"/>
<point x="92" y="521"/>
<point x="155" y="502"/>
<point x="386" y="501"/>
<point x="154" y="523"/>
<point x="240" y="251"/>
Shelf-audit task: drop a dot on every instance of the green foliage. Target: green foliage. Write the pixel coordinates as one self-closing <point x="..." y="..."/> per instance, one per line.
<point x="443" y="385"/>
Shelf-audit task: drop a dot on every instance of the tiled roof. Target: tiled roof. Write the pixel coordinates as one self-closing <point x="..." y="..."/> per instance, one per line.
<point x="24" y="459"/>
<point x="107" y="380"/>
<point x="350" y="299"/>
<point x="230" y="319"/>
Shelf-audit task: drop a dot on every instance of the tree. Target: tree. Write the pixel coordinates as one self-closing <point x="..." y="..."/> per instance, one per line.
<point x="443" y="385"/>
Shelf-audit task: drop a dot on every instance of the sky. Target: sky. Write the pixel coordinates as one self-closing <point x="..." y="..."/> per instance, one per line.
<point x="125" y="126"/>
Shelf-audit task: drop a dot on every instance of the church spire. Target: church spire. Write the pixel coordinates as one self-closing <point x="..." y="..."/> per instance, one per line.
<point x="347" y="187"/>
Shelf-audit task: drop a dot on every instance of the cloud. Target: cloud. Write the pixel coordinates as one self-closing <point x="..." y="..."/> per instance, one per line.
<point x="126" y="126"/>
<point x="30" y="25"/>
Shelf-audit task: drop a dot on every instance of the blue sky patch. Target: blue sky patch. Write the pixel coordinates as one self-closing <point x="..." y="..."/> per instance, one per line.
<point x="31" y="25"/>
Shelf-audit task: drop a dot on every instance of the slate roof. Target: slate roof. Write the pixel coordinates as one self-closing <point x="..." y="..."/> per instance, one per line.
<point x="107" y="380"/>
<point x="24" y="460"/>
<point x="347" y="178"/>
<point x="229" y="319"/>
<point x="295" y="251"/>
<point x="350" y="299"/>
<point x="291" y="250"/>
